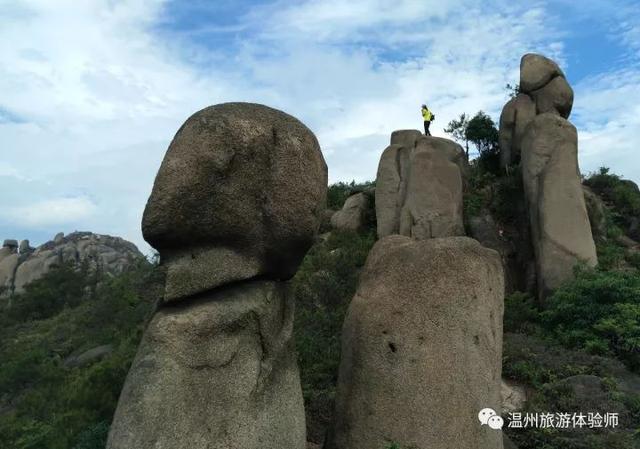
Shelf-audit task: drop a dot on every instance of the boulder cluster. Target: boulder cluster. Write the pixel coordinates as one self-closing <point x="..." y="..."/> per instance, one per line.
<point x="236" y="205"/>
<point x="234" y="208"/>
<point x="21" y="264"/>
<point x="534" y="130"/>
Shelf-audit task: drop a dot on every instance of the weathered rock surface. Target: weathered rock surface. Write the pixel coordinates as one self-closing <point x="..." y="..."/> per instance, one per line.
<point x="424" y="326"/>
<point x="561" y="233"/>
<point x="515" y="117"/>
<point x="433" y="202"/>
<point x="543" y="89"/>
<point x="90" y="356"/>
<point x="514" y="397"/>
<point x="235" y="206"/>
<point x="242" y="188"/>
<point x="556" y="97"/>
<point x="595" y="211"/>
<point x="536" y="71"/>
<point x="8" y="263"/>
<point x="352" y="216"/>
<point x="18" y="268"/>
<point x="216" y="373"/>
<point x="419" y="187"/>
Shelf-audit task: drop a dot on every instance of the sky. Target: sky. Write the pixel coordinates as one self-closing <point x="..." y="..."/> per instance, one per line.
<point x="93" y="91"/>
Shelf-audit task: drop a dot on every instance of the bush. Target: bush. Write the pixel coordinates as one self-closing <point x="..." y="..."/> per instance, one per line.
<point x="599" y="311"/>
<point x="520" y="313"/>
<point x="622" y="196"/>
<point x="64" y="286"/>
<point x="323" y="288"/>
<point x="52" y="406"/>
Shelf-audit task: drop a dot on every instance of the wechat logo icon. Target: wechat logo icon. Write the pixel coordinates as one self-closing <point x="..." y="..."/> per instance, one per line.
<point x="488" y="416"/>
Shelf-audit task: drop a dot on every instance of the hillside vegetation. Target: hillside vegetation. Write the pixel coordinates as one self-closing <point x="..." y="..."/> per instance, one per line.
<point x="590" y="327"/>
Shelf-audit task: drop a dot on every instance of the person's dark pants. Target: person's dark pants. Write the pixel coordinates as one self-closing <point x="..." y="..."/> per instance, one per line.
<point x="426" y="128"/>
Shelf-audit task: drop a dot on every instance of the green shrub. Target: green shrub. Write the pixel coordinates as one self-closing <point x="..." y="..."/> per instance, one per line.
<point x="94" y="437"/>
<point x="65" y="286"/>
<point x="520" y="313"/>
<point x="54" y="406"/>
<point x="599" y="311"/>
<point x="323" y="288"/>
<point x="622" y="196"/>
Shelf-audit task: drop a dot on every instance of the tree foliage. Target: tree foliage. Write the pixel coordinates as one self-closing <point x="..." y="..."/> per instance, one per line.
<point x="481" y="132"/>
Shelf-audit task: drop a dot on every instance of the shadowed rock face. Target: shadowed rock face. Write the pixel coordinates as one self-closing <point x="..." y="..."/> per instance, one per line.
<point x="422" y="347"/>
<point x="241" y="188"/>
<point x="234" y="208"/>
<point x="419" y="187"/>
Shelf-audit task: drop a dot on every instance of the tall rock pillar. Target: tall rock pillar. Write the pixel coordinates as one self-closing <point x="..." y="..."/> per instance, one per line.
<point x="233" y="210"/>
<point x="422" y="347"/>
<point x="560" y="229"/>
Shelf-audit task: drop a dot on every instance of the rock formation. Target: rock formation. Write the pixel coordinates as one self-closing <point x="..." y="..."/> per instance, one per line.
<point x="419" y="187"/>
<point x="560" y="229"/>
<point x="422" y="347"/>
<point x="543" y="88"/>
<point x="241" y="187"/>
<point x="596" y="212"/>
<point x="534" y="131"/>
<point x="353" y="215"/>
<point x="22" y="264"/>
<point x="234" y="208"/>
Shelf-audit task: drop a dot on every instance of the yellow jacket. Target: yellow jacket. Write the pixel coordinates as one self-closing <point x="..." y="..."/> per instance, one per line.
<point x="426" y="114"/>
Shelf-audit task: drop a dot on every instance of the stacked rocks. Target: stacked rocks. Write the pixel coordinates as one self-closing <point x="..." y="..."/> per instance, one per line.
<point x="234" y="208"/>
<point x="419" y="187"/>
<point x="535" y="124"/>
<point x="543" y="88"/>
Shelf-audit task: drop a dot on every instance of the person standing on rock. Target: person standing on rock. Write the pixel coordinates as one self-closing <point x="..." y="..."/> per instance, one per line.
<point x="427" y="116"/>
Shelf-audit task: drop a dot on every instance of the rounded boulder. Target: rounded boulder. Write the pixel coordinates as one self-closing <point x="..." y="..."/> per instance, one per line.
<point x="241" y="188"/>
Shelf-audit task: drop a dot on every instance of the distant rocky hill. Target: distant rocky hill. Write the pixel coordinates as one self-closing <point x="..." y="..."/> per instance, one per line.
<point x="21" y="264"/>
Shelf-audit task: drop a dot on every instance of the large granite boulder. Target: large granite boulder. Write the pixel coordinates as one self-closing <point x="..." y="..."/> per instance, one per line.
<point x="391" y="188"/>
<point x="515" y="117"/>
<point x="543" y="89"/>
<point x="422" y="347"/>
<point x="353" y="215"/>
<point x="235" y="206"/>
<point x="556" y="97"/>
<point x="433" y="200"/>
<point x="216" y="373"/>
<point x="419" y="187"/>
<point x="242" y="187"/>
<point x="561" y="234"/>
<point x="536" y="71"/>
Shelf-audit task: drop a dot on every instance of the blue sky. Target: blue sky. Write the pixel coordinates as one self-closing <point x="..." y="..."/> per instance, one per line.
<point x="93" y="91"/>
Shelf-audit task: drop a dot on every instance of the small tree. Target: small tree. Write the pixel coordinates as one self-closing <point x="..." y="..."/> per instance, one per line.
<point x="458" y="130"/>
<point x="480" y="131"/>
<point x="512" y="89"/>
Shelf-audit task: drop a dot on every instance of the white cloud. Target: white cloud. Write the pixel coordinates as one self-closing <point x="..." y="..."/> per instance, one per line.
<point x="99" y="92"/>
<point x="608" y="109"/>
<point x="53" y="212"/>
